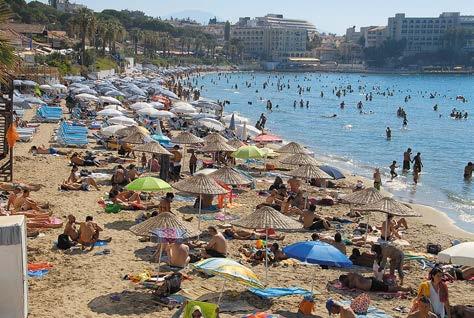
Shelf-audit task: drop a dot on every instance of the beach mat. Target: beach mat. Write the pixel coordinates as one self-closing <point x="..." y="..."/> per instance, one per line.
<point x="278" y="292"/>
<point x="372" y="312"/>
<point x="38" y="273"/>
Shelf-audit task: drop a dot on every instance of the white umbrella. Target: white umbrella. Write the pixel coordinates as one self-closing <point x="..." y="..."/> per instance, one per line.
<point x="157" y="105"/>
<point x="211" y="124"/>
<point x="46" y="87"/>
<point x="29" y="83"/>
<point x="183" y="108"/>
<point x="114" y="93"/>
<point x="122" y="120"/>
<point x="147" y="111"/>
<point x="116" y="107"/>
<point x="59" y="86"/>
<point x="87" y="97"/>
<point x="165" y="114"/>
<point x="461" y="254"/>
<point x="111" y="130"/>
<point x="237" y="118"/>
<point x="33" y="100"/>
<point x="140" y="105"/>
<point x="110" y="100"/>
<point x="109" y="113"/>
<point x="246" y="131"/>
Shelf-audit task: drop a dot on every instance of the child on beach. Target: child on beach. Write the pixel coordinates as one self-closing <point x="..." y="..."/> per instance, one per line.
<point x="392" y="167"/>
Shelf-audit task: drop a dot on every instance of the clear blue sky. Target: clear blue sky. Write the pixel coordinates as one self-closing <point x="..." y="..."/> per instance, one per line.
<point x="327" y="15"/>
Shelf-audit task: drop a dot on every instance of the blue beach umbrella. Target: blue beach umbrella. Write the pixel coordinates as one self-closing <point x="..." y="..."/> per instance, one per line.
<point x="317" y="252"/>
<point x="333" y="172"/>
<point x="162" y="139"/>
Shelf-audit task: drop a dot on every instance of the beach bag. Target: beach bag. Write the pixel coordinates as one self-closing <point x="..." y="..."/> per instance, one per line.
<point x="433" y="248"/>
<point x="63" y="242"/>
<point x="112" y="208"/>
<point x="360" y="304"/>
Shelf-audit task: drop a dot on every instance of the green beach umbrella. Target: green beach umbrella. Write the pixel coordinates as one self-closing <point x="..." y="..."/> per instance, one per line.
<point x="248" y="152"/>
<point x="148" y="184"/>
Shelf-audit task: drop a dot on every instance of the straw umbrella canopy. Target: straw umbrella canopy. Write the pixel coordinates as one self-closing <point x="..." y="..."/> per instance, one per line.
<point x="309" y="172"/>
<point x="153" y="147"/>
<point x="136" y="138"/>
<point x="293" y="148"/>
<point x="132" y="130"/>
<point x="164" y="220"/>
<point x="236" y="143"/>
<point x="213" y="137"/>
<point x="390" y="206"/>
<point x="200" y="184"/>
<point x="186" y="138"/>
<point x="299" y="159"/>
<point x="268" y="218"/>
<point x="362" y="197"/>
<point x="230" y="176"/>
<point x="217" y="146"/>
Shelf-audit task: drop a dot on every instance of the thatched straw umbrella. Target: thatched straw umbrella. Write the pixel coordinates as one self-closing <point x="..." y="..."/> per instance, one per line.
<point x="236" y="143"/>
<point x="213" y="137"/>
<point x="217" y="146"/>
<point x="186" y="138"/>
<point x="292" y="148"/>
<point x="268" y="218"/>
<point x="136" y="138"/>
<point x="154" y="148"/>
<point x="127" y="131"/>
<point x="199" y="184"/>
<point x="300" y="159"/>
<point x="230" y="176"/>
<point x="362" y="197"/>
<point x="308" y="172"/>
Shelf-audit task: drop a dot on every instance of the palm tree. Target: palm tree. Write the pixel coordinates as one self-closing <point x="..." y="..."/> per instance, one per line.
<point x="9" y="63"/>
<point x="136" y="36"/>
<point x="84" y="24"/>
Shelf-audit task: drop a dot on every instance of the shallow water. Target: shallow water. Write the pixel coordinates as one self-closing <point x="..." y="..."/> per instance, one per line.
<point x="357" y="141"/>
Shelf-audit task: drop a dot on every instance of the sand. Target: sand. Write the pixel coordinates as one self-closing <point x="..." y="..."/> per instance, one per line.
<point x="82" y="285"/>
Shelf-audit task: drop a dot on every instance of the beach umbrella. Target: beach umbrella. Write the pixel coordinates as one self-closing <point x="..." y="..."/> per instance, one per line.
<point x="237" y="119"/>
<point x="206" y="103"/>
<point x="317" y="252"/>
<point x="152" y="147"/>
<point x="86" y="97"/>
<point x="292" y="148"/>
<point x="211" y="123"/>
<point x="236" y="143"/>
<point x="300" y="159"/>
<point x="363" y="197"/>
<point x="243" y="131"/>
<point x="230" y="176"/>
<point x="248" y="152"/>
<point x="183" y="108"/>
<point x="140" y="105"/>
<point x="114" y="93"/>
<point x="332" y="171"/>
<point x="200" y="184"/>
<point x="17" y="82"/>
<point x="206" y="171"/>
<point x="157" y="105"/>
<point x="46" y="87"/>
<point x="33" y="100"/>
<point x="267" y="138"/>
<point x="116" y="107"/>
<point x="148" y="184"/>
<point x="162" y="139"/>
<point x="110" y="100"/>
<point x="217" y="146"/>
<point x="309" y="172"/>
<point x="164" y="114"/>
<point x="232" y="123"/>
<point x="130" y="130"/>
<point x="186" y="138"/>
<point x="111" y="130"/>
<point x="460" y="254"/>
<point x="215" y="137"/>
<point x="166" y="236"/>
<point x="389" y="206"/>
<point x="136" y="138"/>
<point x="109" y="113"/>
<point x="164" y="220"/>
<point x="84" y="90"/>
<point x="122" y="120"/>
<point x="267" y="218"/>
<point x="29" y="83"/>
<point x="229" y="270"/>
<point x="148" y="111"/>
<point x="59" y="86"/>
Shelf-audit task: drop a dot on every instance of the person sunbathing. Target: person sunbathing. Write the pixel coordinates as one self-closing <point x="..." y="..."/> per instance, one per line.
<point x="313" y="222"/>
<point x="294" y="184"/>
<point x="390" y="230"/>
<point x="371" y="284"/>
<point x="89" y="233"/>
<point x="252" y="255"/>
<point x="460" y="273"/>
<point x="80" y="161"/>
<point x="25" y="203"/>
<point x="278" y="254"/>
<point x="70" y="228"/>
<point x="287" y="207"/>
<point x="84" y="182"/>
<point x="423" y="310"/>
<point x="241" y="234"/>
<point x="217" y="246"/>
<point x="178" y="255"/>
<point x="16" y="193"/>
<point x="165" y="203"/>
<point x="42" y="150"/>
<point x="336" y="241"/>
<point x="362" y="259"/>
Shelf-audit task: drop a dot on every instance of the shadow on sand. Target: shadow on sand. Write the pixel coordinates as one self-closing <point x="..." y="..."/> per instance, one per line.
<point x="121" y="225"/>
<point x="126" y="303"/>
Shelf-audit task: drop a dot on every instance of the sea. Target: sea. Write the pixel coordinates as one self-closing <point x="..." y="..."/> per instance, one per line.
<point x="357" y="141"/>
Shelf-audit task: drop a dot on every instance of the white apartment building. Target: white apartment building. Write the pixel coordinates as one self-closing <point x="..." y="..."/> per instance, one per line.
<point x="425" y="34"/>
<point x="273" y="37"/>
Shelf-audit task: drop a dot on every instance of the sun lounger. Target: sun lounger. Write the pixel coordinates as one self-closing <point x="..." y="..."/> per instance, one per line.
<point x="278" y="292"/>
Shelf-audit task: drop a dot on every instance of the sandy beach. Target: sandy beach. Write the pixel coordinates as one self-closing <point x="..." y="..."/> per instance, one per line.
<point x="88" y="285"/>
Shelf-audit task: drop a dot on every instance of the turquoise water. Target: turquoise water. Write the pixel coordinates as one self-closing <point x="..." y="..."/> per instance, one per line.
<point x="357" y="141"/>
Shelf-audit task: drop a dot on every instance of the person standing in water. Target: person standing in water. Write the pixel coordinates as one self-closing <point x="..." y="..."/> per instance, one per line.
<point x="468" y="170"/>
<point x="388" y="132"/>
<point x="392" y="167"/>
<point x="377" y="179"/>
<point x="417" y="162"/>
<point x="406" y="160"/>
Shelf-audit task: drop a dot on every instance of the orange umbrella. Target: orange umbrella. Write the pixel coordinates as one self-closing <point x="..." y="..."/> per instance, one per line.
<point x="12" y="135"/>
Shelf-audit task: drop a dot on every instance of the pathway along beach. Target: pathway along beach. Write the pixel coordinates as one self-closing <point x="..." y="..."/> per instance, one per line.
<point x="85" y="285"/>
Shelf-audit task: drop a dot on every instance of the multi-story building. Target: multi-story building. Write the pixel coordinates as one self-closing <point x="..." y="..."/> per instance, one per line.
<point x="273" y="37"/>
<point x="426" y="34"/>
<point x="65" y="5"/>
<point x="375" y="36"/>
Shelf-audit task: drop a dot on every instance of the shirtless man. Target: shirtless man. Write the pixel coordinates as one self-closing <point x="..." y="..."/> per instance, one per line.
<point x="42" y="150"/>
<point x="357" y="281"/>
<point x="406" y="160"/>
<point x="390" y="229"/>
<point x="165" y="203"/>
<point x="75" y="183"/>
<point x="13" y="196"/>
<point x="217" y="246"/>
<point x="294" y="184"/>
<point x="80" y="161"/>
<point x="336" y="241"/>
<point x="70" y="228"/>
<point x="178" y="254"/>
<point x="25" y="203"/>
<point x="89" y="233"/>
<point x="334" y="307"/>
<point x="313" y="222"/>
<point x="396" y="256"/>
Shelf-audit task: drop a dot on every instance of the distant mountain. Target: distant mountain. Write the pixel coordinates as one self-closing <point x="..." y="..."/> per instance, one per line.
<point x="199" y="16"/>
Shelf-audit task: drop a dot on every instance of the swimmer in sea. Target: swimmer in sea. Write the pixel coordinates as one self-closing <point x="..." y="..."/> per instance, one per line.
<point x="388" y="132"/>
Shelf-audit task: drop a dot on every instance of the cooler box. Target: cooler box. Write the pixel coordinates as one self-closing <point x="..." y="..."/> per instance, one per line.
<point x="13" y="267"/>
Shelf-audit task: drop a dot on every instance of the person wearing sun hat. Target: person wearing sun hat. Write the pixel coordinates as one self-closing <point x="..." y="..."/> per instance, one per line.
<point x="335" y="307"/>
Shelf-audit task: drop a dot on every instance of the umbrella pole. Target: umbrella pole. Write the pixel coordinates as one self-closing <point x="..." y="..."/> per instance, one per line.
<point x="312" y="280"/>
<point x="222" y="292"/>
<point x="386" y="228"/>
<point x="159" y="257"/>
<point x="367" y="227"/>
<point x="266" y="256"/>
<point x="199" y="217"/>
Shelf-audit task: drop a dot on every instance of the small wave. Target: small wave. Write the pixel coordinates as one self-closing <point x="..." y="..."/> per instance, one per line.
<point x="347" y="127"/>
<point x="459" y="199"/>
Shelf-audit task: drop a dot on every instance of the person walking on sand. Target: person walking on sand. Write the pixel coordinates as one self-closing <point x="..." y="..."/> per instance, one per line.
<point x="392" y="167"/>
<point x="377" y="179"/>
<point x="417" y="164"/>
<point x="406" y="160"/>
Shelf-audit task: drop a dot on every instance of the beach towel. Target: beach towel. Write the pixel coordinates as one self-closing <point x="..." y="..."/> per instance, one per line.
<point x="262" y="315"/>
<point x="208" y="310"/>
<point x="372" y="312"/>
<point x="219" y="217"/>
<point x="38" y="273"/>
<point x="101" y="243"/>
<point x="278" y="292"/>
<point x="39" y="266"/>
